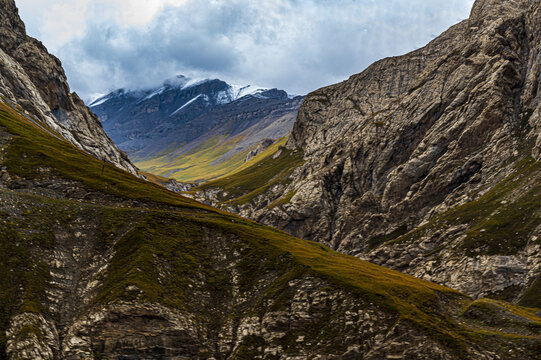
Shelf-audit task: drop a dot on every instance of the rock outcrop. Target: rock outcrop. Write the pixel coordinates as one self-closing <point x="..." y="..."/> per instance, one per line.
<point x="426" y="162"/>
<point x="33" y="80"/>
<point x="260" y="147"/>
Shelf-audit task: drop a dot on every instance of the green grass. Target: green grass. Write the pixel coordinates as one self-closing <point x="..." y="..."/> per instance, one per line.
<point x="175" y="239"/>
<point x="28" y="331"/>
<point x="168" y="150"/>
<point x="497" y="315"/>
<point x="507" y="225"/>
<point x="20" y="278"/>
<point x="532" y="296"/>
<point x="157" y="237"/>
<point x="499" y="222"/>
<point x="505" y="217"/>
<point x="271" y="150"/>
<point x="198" y="164"/>
<point x="243" y="186"/>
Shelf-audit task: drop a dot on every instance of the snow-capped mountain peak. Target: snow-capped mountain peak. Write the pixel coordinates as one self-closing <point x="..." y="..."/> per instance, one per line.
<point x="229" y="93"/>
<point x="241" y="91"/>
<point x="182" y="82"/>
<point x="235" y="92"/>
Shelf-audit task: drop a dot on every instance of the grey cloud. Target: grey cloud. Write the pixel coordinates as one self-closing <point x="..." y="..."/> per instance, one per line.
<point x="291" y="44"/>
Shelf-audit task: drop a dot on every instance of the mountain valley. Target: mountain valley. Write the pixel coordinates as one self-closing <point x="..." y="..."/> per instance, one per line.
<point x="427" y="164"/>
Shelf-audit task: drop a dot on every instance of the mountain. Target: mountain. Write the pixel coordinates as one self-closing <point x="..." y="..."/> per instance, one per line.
<point x="195" y="130"/>
<point x="97" y="263"/>
<point x="33" y="80"/>
<point x="427" y="163"/>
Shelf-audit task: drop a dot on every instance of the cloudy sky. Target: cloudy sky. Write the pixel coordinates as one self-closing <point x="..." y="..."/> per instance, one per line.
<point x="296" y="45"/>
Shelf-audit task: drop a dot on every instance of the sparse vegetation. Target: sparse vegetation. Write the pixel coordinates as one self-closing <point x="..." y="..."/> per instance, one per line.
<point x="501" y="221"/>
<point x="33" y="149"/>
<point x="532" y="296"/>
<point x="286" y="199"/>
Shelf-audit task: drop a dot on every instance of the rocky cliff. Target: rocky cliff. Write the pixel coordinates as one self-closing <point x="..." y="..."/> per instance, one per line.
<point x="33" y="80"/>
<point x="427" y="162"/>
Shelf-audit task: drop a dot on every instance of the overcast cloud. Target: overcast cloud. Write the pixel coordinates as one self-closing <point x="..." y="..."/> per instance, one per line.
<point x="296" y="45"/>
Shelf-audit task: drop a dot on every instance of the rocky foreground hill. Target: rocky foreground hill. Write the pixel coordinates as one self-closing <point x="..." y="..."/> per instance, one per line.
<point x="427" y="163"/>
<point x="96" y="263"/>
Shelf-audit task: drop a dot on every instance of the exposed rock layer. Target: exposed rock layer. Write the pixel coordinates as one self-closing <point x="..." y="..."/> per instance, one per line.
<point x="96" y="263"/>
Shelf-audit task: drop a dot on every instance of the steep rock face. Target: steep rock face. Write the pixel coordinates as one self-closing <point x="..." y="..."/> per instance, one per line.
<point x="34" y="80"/>
<point x="98" y="264"/>
<point x="392" y="151"/>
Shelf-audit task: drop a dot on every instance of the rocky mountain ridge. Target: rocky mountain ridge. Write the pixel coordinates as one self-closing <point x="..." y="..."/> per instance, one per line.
<point x="33" y="80"/>
<point x="427" y="163"/>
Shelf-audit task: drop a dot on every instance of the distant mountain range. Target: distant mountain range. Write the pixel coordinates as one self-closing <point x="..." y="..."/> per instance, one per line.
<point x="195" y="130"/>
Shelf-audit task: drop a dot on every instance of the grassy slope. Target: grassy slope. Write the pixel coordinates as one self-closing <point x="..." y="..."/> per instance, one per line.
<point x="156" y="179"/>
<point x="271" y="150"/>
<point x="33" y="149"/>
<point x="267" y="169"/>
<point x="197" y="164"/>
<point x="174" y="234"/>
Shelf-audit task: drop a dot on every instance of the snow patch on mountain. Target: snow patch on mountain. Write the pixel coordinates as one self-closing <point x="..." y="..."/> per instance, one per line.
<point x="236" y="92"/>
<point x="153" y="93"/>
<point x="196" y="82"/>
<point x="204" y="97"/>
<point x="94" y="98"/>
<point x="99" y="101"/>
<point x="182" y="82"/>
<point x="241" y="91"/>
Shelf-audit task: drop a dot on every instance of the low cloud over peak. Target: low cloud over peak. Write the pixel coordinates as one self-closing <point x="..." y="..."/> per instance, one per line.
<point x="290" y="44"/>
